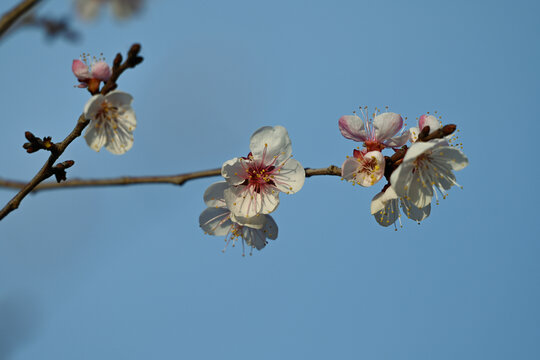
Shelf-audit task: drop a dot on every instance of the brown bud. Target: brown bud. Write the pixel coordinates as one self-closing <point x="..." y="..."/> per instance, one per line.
<point x="448" y="129"/>
<point x="134" y="50"/>
<point x="29" y="136"/>
<point x="424" y="133"/>
<point x="117" y="60"/>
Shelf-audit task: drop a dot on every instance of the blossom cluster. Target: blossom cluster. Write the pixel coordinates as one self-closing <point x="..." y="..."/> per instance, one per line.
<point x="414" y="173"/>
<point x="423" y="163"/>
<point x="112" y="119"/>
<point x="238" y="207"/>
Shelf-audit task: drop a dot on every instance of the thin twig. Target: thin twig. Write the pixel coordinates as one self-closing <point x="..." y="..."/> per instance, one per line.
<point x="47" y="169"/>
<point x="14" y="14"/>
<point x="179" y="179"/>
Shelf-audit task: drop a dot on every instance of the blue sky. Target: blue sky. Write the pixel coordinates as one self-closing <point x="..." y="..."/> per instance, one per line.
<point x="127" y="273"/>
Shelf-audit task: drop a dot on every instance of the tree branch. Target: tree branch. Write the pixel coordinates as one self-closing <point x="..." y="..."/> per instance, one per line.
<point x="14" y="14"/>
<point x="179" y="179"/>
<point x="47" y="169"/>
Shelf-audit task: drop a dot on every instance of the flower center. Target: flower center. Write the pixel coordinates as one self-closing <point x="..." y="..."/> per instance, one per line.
<point x="259" y="176"/>
<point x="107" y="114"/>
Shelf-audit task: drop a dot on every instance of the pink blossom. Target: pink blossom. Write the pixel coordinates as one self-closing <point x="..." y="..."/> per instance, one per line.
<point x="380" y="131"/>
<point x="91" y="76"/>
<point x="364" y="168"/>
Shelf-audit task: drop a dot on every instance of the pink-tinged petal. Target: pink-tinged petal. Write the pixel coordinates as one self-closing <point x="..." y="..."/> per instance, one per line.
<point x="398" y="141"/>
<point x="82" y="85"/>
<point x="213" y="196"/>
<point x="387" y="125"/>
<point x="349" y="169"/>
<point x="215" y="221"/>
<point x="243" y="201"/>
<point x="371" y="177"/>
<point x="235" y="171"/>
<point x="352" y="127"/>
<point x="290" y="178"/>
<point x="271" y="144"/>
<point x="101" y="71"/>
<point x="80" y="70"/>
<point x="429" y="120"/>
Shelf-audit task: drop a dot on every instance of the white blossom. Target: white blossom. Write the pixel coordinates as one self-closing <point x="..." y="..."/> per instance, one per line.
<point x="385" y="208"/>
<point x="257" y="180"/>
<point x="425" y="167"/>
<point x="112" y="121"/>
<point x="218" y="220"/>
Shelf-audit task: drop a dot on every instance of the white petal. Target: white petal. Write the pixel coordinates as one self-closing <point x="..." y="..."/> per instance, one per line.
<point x="235" y="170"/>
<point x="119" y="98"/>
<point x="380" y="200"/>
<point x="254" y="222"/>
<point x="95" y="136"/>
<point x="413" y="212"/>
<point x="213" y="196"/>
<point x="269" y="142"/>
<point x="118" y="140"/>
<point x="270" y="228"/>
<point x="290" y="178"/>
<point x="389" y="214"/>
<point x="452" y="156"/>
<point x="387" y="125"/>
<point x="215" y="221"/>
<point x="414" y="132"/>
<point x="244" y="202"/>
<point x="398" y="141"/>
<point x="419" y="192"/>
<point x="352" y="127"/>
<point x="377" y="203"/>
<point x="127" y="119"/>
<point x="254" y="238"/>
<point x="92" y="106"/>
<point x="418" y="148"/>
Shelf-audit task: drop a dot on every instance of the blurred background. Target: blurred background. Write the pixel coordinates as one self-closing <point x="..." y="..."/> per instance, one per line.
<point x="126" y="272"/>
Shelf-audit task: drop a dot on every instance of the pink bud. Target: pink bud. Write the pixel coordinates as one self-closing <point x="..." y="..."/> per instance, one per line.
<point x="101" y="71"/>
<point x="80" y="70"/>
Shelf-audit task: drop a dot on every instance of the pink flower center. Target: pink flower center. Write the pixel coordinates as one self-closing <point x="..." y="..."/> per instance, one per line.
<point x="258" y="174"/>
